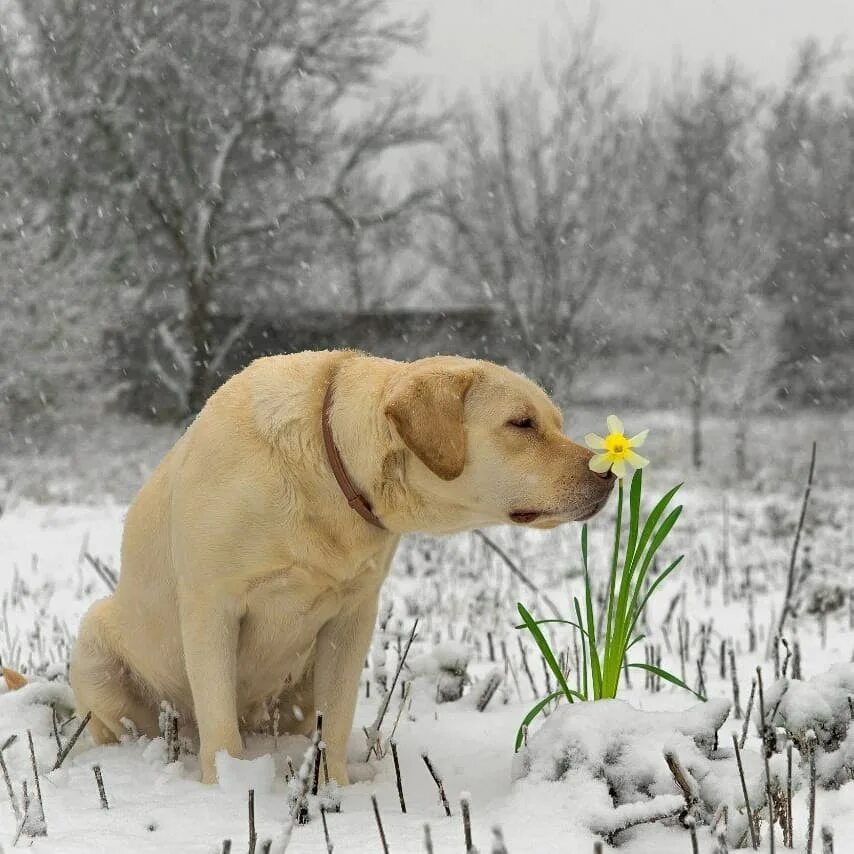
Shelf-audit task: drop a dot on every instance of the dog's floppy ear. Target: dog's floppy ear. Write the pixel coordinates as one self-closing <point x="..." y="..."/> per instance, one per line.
<point x="426" y="407"/>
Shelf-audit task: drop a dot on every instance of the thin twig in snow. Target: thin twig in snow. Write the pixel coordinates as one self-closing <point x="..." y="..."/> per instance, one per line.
<point x="102" y="792"/>
<point x="325" y="830"/>
<point x="518" y="572"/>
<point x="43" y="826"/>
<point x="9" y="788"/>
<point x="439" y="785"/>
<point x="72" y="741"/>
<point x="373" y="732"/>
<point x="253" y="835"/>
<point x="790" y="579"/>
<point x="763" y="725"/>
<point x="379" y="823"/>
<point x="397" y="776"/>
<point x="747" y="713"/>
<point x="812" y="741"/>
<point x="465" y="809"/>
<point x="754" y="841"/>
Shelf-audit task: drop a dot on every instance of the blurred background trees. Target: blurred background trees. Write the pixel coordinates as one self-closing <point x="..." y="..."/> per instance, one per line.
<point x="540" y="202"/>
<point x="186" y="186"/>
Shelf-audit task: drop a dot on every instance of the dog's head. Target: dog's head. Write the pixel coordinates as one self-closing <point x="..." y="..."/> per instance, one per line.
<point x="487" y="446"/>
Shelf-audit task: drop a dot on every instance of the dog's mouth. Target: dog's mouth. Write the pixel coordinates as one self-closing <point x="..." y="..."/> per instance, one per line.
<point x="527" y="517"/>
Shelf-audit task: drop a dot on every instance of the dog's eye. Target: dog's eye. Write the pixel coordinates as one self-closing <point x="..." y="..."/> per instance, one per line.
<point x="522" y="423"/>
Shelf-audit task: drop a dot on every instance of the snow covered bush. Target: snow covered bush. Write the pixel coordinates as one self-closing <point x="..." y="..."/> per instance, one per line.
<point x="613" y="756"/>
<point x="820" y="705"/>
<point x="445" y="666"/>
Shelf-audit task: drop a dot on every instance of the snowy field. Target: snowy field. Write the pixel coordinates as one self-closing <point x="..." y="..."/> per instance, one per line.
<point x="586" y="772"/>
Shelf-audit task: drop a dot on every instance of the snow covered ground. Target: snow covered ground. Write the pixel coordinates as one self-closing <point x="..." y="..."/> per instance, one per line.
<point x="728" y="592"/>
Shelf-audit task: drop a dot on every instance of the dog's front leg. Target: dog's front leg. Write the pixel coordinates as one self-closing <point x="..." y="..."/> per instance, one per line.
<point x="210" y="627"/>
<point x="341" y="648"/>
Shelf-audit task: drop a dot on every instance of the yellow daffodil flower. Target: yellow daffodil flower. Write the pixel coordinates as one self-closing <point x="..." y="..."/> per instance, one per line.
<point x="616" y="449"/>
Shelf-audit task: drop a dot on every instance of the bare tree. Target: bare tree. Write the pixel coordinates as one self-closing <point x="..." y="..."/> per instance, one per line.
<point x="537" y="205"/>
<point x="705" y="250"/>
<point x="754" y="354"/>
<point x="809" y="146"/>
<point x="209" y="145"/>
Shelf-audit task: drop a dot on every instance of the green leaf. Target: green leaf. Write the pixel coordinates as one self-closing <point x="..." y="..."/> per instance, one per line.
<point x="584" y="545"/>
<point x="668" y="677"/>
<point x="535" y="710"/>
<point x="652" y="521"/>
<point x="638" y="639"/>
<point x="615" y="652"/>
<point x="634" y="514"/>
<point x="584" y="637"/>
<point x="612" y="578"/>
<point x="544" y="622"/>
<point x="595" y="668"/>
<point x="545" y="649"/>
<point x="657" y="540"/>
<point x="653" y="587"/>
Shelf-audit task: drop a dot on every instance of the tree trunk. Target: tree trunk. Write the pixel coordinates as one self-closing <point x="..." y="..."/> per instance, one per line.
<point x="697" y="421"/>
<point x="355" y="263"/>
<point x="199" y="326"/>
<point x="741" y="447"/>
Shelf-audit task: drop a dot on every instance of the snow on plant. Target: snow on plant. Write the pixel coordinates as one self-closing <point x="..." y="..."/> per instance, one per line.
<point x="603" y="658"/>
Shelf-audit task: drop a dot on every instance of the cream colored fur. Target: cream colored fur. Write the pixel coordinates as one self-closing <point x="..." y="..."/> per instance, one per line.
<point x="245" y="576"/>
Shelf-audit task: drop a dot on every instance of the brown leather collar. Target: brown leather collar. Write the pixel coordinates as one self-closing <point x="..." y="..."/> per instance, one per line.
<point x="355" y="499"/>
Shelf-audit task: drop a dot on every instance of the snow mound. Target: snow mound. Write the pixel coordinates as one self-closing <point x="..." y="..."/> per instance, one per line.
<point x="241" y="775"/>
<point x="620" y="750"/>
<point x="819" y="704"/>
<point x="446" y="667"/>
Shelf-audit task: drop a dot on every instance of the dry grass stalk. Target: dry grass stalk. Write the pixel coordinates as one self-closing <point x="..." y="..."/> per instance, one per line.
<point x="812" y="741"/>
<point x="326" y="837"/>
<point x="754" y="840"/>
<point x="790" y="833"/>
<point x="763" y="727"/>
<point x="498" y="846"/>
<point x="39" y="827"/>
<point x="318" y="728"/>
<point x="373" y="732"/>
<point x="397" y="777"/>
<point x="691" y="824"/>
<point x="102" y="792"/>
<point x="733" y="672"/>
<point x="253" y="835"/>
<point x="743" y="738"/>
<point x="439" y="785"/>
<point x="791" y="578"/>
<point x="13" y="801"/>
<point x="379" y="823"/>
<point x="465" y="810"/>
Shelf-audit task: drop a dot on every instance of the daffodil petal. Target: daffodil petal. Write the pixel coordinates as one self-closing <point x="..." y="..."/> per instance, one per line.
<point x="594" y="440"/>
<point x="636" y="459"/>
<point x="637" y="440"/>
<point x="614" y="424"/>
<point x="600" y="463"/>
<point x="619" y="468"/>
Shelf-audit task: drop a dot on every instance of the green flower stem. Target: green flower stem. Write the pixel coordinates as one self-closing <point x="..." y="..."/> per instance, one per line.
<point x="612" y="580"/>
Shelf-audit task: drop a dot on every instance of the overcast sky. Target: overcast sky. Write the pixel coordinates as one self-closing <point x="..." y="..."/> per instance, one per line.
<point x="472" y="41"/>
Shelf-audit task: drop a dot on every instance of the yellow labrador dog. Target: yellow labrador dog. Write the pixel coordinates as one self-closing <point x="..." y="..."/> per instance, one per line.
<point x="252" y="558"/>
